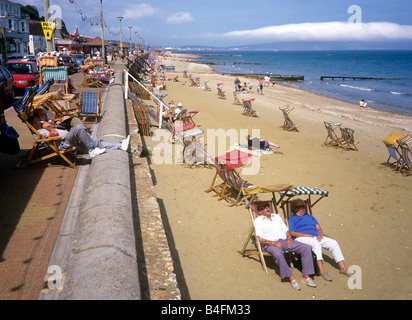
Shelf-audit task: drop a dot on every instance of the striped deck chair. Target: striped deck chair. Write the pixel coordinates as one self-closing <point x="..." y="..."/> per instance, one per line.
<point x="207" y="88"/>
<point x="247" y="108"/>
<point x="395" y="156"/>
<point x="332" y="136"/>
<point x="187" y="138"/>
<point x="43" y="147"/>
<point x="58" y="74"/>
<point x="308" y="192"/>
<point x="220" y="92"/>
<point x="406" y="154"/>
<point x="89" y="103"/>
<point x="236" y="100"/>
<point x="348" y="140"/>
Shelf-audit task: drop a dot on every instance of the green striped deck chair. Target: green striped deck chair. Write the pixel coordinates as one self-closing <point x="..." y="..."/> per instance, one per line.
<point x="58" y="74"/>
<point x="304" y="192"/>
<point x="89" y="105"/>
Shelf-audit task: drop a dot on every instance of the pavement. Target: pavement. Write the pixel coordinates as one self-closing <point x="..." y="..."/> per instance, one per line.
<point x="99" y="254"/>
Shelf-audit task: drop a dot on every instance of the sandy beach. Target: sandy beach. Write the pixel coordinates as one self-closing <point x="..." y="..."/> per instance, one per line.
<point x="367" y="210"/>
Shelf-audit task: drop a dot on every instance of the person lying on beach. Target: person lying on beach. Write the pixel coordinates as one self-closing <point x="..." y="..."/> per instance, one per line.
<point x="273" y="235"/>
<point x="260" y="143"/>
<point x="306" y="229"/>
<point x="76" y="137"/>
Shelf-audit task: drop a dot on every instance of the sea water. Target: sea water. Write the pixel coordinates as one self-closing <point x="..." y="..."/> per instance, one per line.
<point x="391" y="93"/>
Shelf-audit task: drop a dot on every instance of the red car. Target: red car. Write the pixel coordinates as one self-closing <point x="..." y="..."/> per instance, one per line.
<point x="25" y="74"/>
<point x="70" y="64"/>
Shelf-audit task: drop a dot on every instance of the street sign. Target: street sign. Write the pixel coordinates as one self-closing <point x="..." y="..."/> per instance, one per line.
<point x="47" y="29"/>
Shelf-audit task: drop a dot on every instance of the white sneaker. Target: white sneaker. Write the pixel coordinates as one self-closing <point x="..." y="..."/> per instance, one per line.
<point x="96" y="151"/>
<point x="125" y="143"/>
<point x="309" y="282"/>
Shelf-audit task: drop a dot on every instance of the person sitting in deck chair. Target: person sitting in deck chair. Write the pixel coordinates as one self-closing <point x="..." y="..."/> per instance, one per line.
<point x="273" y="235"/>
<point x="76" y="137"/>
<point x="306" y="229"/>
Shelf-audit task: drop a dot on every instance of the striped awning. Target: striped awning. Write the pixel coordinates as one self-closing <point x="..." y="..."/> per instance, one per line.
<point x="296" y="191"/>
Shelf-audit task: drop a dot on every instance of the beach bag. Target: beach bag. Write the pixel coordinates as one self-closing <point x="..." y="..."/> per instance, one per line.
<point x="8" y="140"/>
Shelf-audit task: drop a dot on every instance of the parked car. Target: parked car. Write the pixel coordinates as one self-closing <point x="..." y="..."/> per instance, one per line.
<point x="29" y="57"/>
<point x="25" y="74"/>
<point x="78" y="58"/>
<point x="6" y="87"/>
<point x="69" y="64"/>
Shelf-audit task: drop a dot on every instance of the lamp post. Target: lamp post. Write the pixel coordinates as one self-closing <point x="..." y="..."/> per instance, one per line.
<point x="135" y="42"/>
<point x="130" y="40"/>
<point x="120" y="19"/>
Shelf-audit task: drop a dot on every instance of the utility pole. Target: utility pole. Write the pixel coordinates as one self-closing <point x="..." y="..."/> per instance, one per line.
<point x="49" y="43"/>
<point x="101" y="24"/>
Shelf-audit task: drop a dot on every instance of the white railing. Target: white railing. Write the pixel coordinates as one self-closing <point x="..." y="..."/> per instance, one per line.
<point x="126" y="92"/>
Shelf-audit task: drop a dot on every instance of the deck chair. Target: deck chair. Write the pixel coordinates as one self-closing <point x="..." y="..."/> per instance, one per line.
<point x="395" y="156"/>
<point x="288" y="124"/>
<point x="236" y="100"/>
<point x="58" y="74"/>
<point x="187" y="138"/>
<point x="257" y="250"/>
<point x="89" y="103"/>
<point x="220" y="93"/>
<point x="194" y="82"/>
<point x="348" y="140"/>
<point x="142" y="118"/>
<point x="308" y="192"/>
<point x="206" y="88"/>
<point x="88" y="80"/>
<point x="247" y="108"/>
<point x="233" y="159"/>
<point x="333" y="138"/>
<point x="43" y="147"/>
<point x="406" y="154"/>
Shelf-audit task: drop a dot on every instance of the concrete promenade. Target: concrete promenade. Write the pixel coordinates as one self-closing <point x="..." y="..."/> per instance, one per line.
<point x="101" y="242"/>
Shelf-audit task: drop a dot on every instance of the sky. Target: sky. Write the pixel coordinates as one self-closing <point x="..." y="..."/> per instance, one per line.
<point x="223" y="23"/>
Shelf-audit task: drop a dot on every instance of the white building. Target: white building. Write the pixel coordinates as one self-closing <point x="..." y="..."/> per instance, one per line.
<point x="15" y="28"/>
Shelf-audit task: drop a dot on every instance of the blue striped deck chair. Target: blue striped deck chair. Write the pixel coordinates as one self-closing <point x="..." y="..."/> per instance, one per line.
<point x="89" y="104"/>
<point x="307" y="192"/>
<point x="58" y="74"/>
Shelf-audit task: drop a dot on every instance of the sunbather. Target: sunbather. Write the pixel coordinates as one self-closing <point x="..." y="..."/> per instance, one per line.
<point x="260" y="143"/>
<point x="76" y="137"/>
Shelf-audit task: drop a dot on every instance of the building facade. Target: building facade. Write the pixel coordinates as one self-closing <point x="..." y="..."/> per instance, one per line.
<point x="14" y="30"/>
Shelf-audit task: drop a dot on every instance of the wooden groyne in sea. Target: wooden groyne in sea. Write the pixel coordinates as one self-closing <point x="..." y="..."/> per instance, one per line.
<point x="273" y="77"/>
<point x="354" y="78"/>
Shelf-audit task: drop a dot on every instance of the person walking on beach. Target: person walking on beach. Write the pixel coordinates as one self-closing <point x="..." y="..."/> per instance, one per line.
<point x="261" y="86"/>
